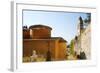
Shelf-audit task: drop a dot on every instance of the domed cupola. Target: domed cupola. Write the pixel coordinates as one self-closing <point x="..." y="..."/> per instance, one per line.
<point x="40" y="31"/>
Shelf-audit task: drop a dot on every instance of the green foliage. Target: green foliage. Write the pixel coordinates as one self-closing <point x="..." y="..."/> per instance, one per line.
<point x="88" y="19"/>
<point x="48" y="58"/>
<point x="82" y="55"/>
<point x="72" y="47"/>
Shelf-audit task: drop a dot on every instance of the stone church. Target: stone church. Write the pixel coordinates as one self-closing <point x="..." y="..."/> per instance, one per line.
<point x="38" y="38"/>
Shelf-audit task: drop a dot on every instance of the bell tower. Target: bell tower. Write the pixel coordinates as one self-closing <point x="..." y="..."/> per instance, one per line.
<point x="80" y="27"/>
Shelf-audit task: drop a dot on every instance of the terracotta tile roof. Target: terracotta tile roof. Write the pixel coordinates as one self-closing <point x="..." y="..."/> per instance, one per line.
<point x="60" y="39"/>
<point x="40" y="26"/>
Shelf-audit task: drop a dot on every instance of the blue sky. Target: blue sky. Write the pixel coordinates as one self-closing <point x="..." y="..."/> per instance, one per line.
<point x="63" y="24"/>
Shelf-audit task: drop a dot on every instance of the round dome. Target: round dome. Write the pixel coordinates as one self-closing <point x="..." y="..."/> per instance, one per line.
<point x="39" y="27"/>
<point x="40" y="31"/>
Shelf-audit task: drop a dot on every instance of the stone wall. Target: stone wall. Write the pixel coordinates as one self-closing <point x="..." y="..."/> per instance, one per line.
<point x="41" y="46"/>
<point x="86" y="41"/>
